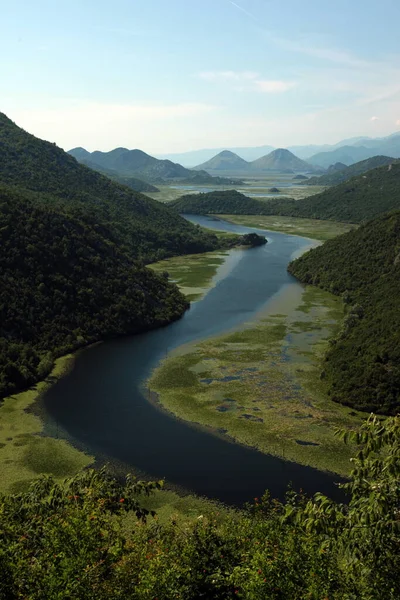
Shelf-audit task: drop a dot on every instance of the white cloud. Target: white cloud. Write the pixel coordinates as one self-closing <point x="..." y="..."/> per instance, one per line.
<point x="273" y="86"/>
<point x="248" y="80"/>
<point x="374" y="119"/>
<point x="398" y="122"/>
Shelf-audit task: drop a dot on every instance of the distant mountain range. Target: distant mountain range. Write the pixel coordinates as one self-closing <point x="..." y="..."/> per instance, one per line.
<point x="281" y="160"/>
<point x="339" y="175"/>
<point x="124" y="163"/>
<point x="388" y="146"/>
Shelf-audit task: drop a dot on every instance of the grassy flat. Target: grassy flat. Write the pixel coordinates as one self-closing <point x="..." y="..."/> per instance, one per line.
<point x="24" y="452"/>
<point x="261" y="384"/>
<point x="193" y="273"/>
<point x="312" y="228"/>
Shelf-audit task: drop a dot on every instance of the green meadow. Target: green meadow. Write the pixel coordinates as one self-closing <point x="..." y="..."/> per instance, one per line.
<point x="25" y="452"/>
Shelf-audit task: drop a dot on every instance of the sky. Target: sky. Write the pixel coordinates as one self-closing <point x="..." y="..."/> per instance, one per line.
<point x="179" y="75"/>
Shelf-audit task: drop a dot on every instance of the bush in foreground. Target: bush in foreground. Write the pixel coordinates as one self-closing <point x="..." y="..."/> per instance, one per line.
<point x="88" y="538"/>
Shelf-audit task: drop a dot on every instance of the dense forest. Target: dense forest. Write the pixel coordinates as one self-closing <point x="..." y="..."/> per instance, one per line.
<point x="66" y="282"/>
<point x="345" y="173"/>
<point x="229" y="202"/>
<point x="86" y="539"/>
<point x="359" y="199"/>
<point x="363" y="266"/>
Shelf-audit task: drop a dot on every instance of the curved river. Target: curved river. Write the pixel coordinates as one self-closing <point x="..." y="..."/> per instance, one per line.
<point x="100" y="406"/>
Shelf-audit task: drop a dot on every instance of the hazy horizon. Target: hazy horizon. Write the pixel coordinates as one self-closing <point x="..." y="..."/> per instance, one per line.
<point x="176" y="77"/>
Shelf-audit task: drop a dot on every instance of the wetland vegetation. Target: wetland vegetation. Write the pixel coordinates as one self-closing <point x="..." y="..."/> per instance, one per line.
<point x="261" y="384"/>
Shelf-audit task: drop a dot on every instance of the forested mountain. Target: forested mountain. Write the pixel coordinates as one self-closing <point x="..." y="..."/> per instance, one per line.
<point x="224" y="161"/>
<point x="280" y="160"/>
<point x="335" y="176"/>
<point x="66" y="282"/>
<point x="72" y="247"/>
<point x="359" y="199"/>
<point x="363" y="363"/>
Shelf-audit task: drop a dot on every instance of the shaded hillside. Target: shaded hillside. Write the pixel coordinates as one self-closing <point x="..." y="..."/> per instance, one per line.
<point x="280" y="160"/>
<point x="66" y="282"/>
<point x="336" y="176"/>
<point x="150" y="229"/>
<point x="363" y="363"/>
<point x="224" y="161"/>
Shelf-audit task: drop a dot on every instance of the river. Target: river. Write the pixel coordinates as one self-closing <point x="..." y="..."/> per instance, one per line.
<point x="101" y="405"/>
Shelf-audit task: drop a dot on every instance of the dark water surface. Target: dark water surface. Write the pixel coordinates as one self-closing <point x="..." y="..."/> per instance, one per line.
<point x="101" y="406"/>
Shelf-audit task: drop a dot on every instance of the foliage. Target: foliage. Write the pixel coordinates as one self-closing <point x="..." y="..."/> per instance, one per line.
<point x="67" y="283"/>
<point x="228" y="202"/>
<point x="77" y="540"/>
<point x="363" y="363"/>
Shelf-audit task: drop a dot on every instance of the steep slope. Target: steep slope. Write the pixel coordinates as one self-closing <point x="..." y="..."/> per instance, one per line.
<point x="224" y="161"/>
<point x="280" y="160"/>
<point x="337" y="176"/>
<point x="65" y="282"/>
<point x="363" y="364"/>
<point x="150" y="229"/>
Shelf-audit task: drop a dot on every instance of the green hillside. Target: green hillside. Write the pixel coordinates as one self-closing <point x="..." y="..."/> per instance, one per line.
<point x="219" y="203"/>
<point x="363" y="364"/>
<point x="66" y="282"/>
<point x="359" y="199"/>
<point x="150" y="230"/>
<point x="344" y="174"/>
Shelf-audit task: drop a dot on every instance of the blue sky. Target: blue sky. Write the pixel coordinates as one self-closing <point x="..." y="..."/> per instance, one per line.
<point x="179" y="75"/>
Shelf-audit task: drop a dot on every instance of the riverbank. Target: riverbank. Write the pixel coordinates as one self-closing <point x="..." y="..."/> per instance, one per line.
<point x="261" y="384"/>
<point x="24" y="452"/>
